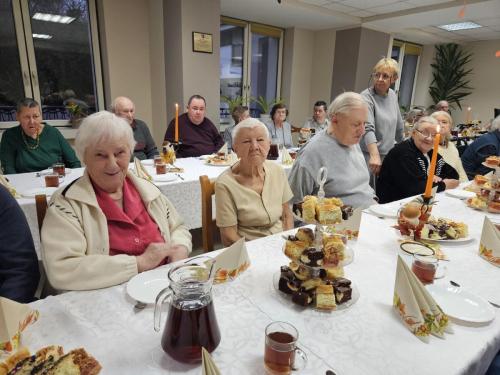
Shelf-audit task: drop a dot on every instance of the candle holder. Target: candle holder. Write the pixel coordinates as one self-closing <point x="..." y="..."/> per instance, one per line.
<point x="414" y="215"/>
<point x="169" y="151"/>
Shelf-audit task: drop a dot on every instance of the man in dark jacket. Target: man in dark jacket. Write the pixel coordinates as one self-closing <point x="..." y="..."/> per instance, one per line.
<point x="18" y="261"/>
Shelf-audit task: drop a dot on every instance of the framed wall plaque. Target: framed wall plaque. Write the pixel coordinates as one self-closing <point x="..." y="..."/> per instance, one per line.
<point x="202" y="42"/>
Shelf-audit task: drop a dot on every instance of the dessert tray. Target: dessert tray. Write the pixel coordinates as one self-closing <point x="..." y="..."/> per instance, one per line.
<point x="486" y="191"/>
<point x="310" y="296"/>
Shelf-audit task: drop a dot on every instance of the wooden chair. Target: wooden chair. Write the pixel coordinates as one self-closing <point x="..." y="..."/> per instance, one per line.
<point x="207" y="222"/>
<point x="41" y="210"/>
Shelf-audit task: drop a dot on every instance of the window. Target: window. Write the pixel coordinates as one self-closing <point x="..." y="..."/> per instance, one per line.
<point x="408" y="57"/>
<point x="250" y="64"/>
<point x="51" y="54"/>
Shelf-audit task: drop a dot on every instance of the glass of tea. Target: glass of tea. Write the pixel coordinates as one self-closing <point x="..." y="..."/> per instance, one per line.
<point x="59" y="168"/>
<point x="52" y="180"/>
<point x="273" y="153"/>
<point x="281" y="351"/>
<point x="158" y="160"/>
<point x="161" y="168"/>
<point x="427" y="268"/>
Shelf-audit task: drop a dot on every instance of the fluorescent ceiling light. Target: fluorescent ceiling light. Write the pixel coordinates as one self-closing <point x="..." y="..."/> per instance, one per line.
<point x="460" y="26"/>
<point x="42" y="36"/>
<point x="53" y="18"/>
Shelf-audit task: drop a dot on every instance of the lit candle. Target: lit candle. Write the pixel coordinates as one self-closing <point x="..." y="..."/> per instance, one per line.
<point x="432" y="168"/>
<point x="176" y="122"/>
<point x="468" y="119"/>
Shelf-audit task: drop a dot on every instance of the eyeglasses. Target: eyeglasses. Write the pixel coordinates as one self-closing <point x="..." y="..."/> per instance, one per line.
<point x="384" y="76"/>
<point x="426" y="135"/>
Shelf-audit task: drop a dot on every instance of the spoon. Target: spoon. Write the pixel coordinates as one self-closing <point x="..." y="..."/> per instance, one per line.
<point x="491" y="303"/>
<point x="140" y="305"/>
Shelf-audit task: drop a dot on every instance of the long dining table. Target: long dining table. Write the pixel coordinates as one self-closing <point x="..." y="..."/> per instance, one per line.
<point x="368" y="337"/>
<point x="183" y="190"/>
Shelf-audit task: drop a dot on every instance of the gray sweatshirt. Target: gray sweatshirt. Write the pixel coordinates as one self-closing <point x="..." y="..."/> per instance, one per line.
<point x="384" y="124"/>
<point x="347" y="172"/>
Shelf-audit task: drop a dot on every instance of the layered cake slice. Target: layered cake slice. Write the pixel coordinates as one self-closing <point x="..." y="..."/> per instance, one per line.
<point x="325" y="298"/>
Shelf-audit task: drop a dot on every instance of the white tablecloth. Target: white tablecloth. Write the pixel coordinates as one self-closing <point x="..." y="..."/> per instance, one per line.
<point x="367" y="338"/>
<point x="184" y="194"/>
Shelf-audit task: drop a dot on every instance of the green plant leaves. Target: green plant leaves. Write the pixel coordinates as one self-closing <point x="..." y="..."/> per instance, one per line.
<point x="450" y="75"/>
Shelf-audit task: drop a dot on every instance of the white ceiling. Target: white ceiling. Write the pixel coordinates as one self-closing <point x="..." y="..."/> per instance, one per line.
<point x="411" y="20"/>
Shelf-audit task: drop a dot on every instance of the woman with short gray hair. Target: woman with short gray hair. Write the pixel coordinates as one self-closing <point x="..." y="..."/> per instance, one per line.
<point x="337" y="149"/>
<point x="108" y="225"/>
<point x="405" y="169"/>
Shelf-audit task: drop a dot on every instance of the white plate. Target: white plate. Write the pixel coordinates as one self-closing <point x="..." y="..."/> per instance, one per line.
<point x="385" y="210"/>
<point x="205" y="157"/>
<point x="30" y="193"/>
<point x="49" y="170"/>
<point x="145" y="286"/>
<point x="461" y="304"/>
<point x="460" y="194"/>
<point x="147" y="162"/>
<point x="458" y="240"/>
<point x="167" y="177"/>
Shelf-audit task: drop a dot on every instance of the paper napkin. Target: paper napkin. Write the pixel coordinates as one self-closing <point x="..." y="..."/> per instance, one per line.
<point x="208" y="364"/>
<point x="419" y="311"/>
<point x="286" y="158"/>
<point x="8" y="185"/>
<point x="351" y="226"/>
<point x="140" y="171"/>
<point x="223" y="149"/>
<point x="14" y="318"/>
<point x="231" y="261"/>
<point x="489" y="246"/>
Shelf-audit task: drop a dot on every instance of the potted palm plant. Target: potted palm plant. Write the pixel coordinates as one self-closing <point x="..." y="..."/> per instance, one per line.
<point x="265" y="106"/>
<point x="450" y="74"/>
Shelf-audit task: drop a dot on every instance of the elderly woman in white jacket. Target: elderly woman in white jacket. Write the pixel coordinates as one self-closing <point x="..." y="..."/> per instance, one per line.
<point x="109" y="224"/>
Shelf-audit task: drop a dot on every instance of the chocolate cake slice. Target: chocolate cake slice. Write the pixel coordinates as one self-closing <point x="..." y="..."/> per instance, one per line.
<point x="302" y="298"/>
<point x="343" y="294"/>
<point x="312" y="257"/>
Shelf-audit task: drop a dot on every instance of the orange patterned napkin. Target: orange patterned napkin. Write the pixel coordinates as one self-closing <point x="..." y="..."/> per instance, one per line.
<point x="489" y="246"/>
<point x="231" y="262"/>
<point x="14" y="318"/>
<point x="419" y="311"/>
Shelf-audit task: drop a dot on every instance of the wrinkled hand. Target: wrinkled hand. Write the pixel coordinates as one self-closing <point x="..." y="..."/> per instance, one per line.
<point x="451" y="183"/>
<point x="154" y="254"/>
<point x="177" y="252"/>
<point x="437" y="179"/>
<point x="375" y="163"/>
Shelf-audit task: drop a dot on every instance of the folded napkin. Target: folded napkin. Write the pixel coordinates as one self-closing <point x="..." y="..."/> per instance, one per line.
<point x="231" y="262"/>
<point x="350" y="227"/>
<point x="14" y="318"/>
<point x="140" y="171"/>
<point x="10" y="188"/>
<point x="489" y="246"/>
<point x="419" y="311"/>
<point x="207" y="363"/>
<point x="223" y="149"/>
<point x="286" y="158"/>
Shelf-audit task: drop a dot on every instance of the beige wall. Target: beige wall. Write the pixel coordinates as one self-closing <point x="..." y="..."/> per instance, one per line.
<point x="322" y="69"/>
<point x="485" y="81"/>
<point x="125" y="53"/>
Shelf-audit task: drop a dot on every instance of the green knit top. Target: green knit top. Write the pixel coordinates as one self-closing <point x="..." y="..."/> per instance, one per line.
<point x="20" y="153"/>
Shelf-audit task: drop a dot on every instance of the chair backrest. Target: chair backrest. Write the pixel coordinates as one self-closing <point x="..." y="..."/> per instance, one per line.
<point x="207" y="222"/>
<point x="41" y="209"/>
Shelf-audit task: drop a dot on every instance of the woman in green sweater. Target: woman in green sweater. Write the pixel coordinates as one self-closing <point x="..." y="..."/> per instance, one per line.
<point x="32" y="145"/>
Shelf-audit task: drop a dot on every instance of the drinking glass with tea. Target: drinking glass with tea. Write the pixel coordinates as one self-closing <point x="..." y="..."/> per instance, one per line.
<point x="282" y="356"/>
<point x="427" y="268"/>
<point x="59" y="168"/>
<point x="161" y="168"/>
<point x="52" y="180"/>
<point x="273" y="152"/>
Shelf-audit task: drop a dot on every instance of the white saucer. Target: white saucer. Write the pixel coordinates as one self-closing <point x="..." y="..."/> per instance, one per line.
<point x="167" y="177"/>
<point x="461" y="304"/>
<point x="30" y="193"/>
<point x="147" y="162"/>
<point x="145" y="286"/>
<point x="460" y="194"/>
<point x="385" y="210"/>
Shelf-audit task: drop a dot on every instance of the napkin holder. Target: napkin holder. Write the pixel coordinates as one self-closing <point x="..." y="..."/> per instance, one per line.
<point x="14" y="318"/>
<point x="489" y="246"/>
<point x="231" y="262"/>
<point x="416" y="307"/>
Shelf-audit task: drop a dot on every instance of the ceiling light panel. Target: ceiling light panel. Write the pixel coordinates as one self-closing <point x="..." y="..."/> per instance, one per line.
<point x="460" y="26"/>
<point x="53" y="18"/>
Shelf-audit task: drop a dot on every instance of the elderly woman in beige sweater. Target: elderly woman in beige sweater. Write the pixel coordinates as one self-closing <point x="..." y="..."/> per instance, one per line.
<point x="109" y="224"/>
<point x="447" y="149"/>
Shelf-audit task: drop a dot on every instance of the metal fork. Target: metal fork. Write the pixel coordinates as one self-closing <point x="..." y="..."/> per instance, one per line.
<point x="491" y="303"/>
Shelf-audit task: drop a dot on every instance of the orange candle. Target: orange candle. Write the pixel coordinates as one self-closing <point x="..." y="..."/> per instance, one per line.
<point x="432" y="168"/>
<point x="176" y="122"/>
